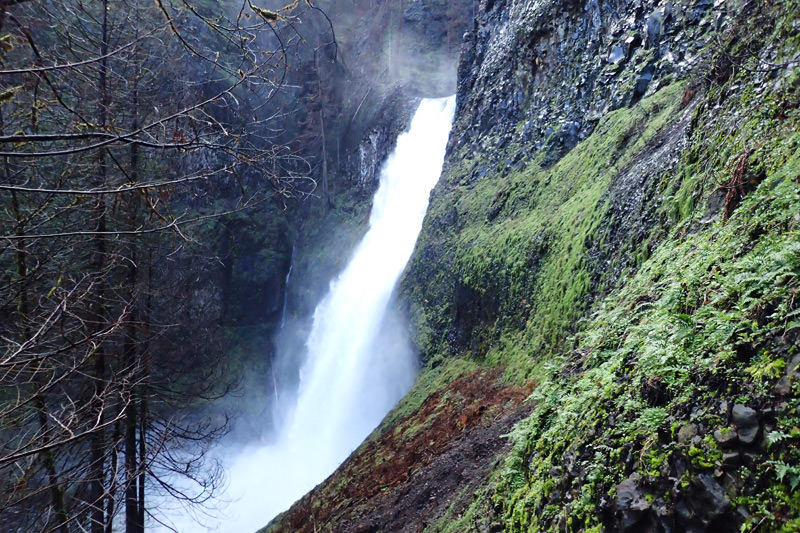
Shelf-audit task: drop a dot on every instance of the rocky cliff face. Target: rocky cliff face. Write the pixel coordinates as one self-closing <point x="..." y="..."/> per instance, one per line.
<point x="536" y="78"/>
<point x="614" y="240"/>
<point x="542" y="74"/>
<point x="390" y="54"/>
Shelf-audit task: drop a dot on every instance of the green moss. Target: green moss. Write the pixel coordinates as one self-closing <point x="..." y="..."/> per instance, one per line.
<point x="520" y="254"/>
<point x="701" y="318"/>
<point x="684" y="315"/>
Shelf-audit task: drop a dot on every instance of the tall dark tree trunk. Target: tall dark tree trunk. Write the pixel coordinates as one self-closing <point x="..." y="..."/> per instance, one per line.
<point x="134" y="458"/>
<point x="325" y="193"/>
<point x="97" y="469"/>
<point x="23" y="306"/>
<point x="145" y="376"/>
<point x="110" y="496"/>
<point x="134" y="497"/>
<point x="132" y="503"/>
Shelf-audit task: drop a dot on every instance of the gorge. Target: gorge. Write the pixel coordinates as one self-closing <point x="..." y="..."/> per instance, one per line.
<point x="589" y="323"/>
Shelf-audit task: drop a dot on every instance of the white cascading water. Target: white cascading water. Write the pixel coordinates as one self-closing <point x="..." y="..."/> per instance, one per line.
<point x="356" y="369"/>
<point x="348" y="384"/>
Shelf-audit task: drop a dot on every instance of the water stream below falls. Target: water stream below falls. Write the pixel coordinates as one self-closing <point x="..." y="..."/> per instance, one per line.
<point x="357" y="366"/>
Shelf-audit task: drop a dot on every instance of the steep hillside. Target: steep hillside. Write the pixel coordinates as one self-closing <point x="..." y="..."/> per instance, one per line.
<point x="605" y="291"/>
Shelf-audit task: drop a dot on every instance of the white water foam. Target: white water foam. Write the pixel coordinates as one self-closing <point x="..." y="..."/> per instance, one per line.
<point x="356" y="368"/>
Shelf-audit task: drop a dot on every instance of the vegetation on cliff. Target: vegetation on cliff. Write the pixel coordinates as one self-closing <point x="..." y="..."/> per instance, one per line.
<point x="673" y="404"/>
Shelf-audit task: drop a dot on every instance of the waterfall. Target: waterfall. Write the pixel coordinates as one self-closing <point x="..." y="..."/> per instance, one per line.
<point x="352" y="376"/>
<point x="285" y="303"/>
<point x="357" y="366"/>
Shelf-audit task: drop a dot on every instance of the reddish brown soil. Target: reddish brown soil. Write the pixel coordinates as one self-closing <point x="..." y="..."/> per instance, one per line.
<point x="429" y="462"/>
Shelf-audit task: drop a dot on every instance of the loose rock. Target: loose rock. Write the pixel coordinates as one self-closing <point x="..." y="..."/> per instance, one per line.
<point x="746" y="421"/>
<point x="686" y="433"/>
<point x="726" y="437"/>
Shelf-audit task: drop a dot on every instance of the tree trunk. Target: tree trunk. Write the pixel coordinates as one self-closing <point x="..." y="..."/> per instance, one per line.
<point x="133" y="363"/>
<point x="325" y="196"/>
<point x="143" y="397"/>
<point x="97" y="470"/>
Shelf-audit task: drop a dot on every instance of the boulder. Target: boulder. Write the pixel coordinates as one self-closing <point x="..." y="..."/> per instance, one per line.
<point x="708" y="499"/>
<point x="686" y="433"/>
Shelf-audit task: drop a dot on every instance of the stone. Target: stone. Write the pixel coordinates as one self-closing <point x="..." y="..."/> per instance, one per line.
<point x="794" y="363"/>
<point x="617" y="55"/>
<point x="643" y="81"/>
<point x="632" y="43"/>
<point x="731" y="459"/>
<point x="686" y="433"/>
<point x="655" y="27"/>
<point x="630" y="496"/>
<point x="746" y="421"/>
<point x="743" y="513"/>
<point x="631" y="503"/>
<point x="726" y="437"/>
<point x="748" y="435"/>
<point x="783" y="387"/>
<point x="683" y="511"/>
<point x="708" y="499"/>
<point x="733" y="484"/>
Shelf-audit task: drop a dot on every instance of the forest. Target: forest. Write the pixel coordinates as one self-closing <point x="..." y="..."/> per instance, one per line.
<point x="131" y="133"/>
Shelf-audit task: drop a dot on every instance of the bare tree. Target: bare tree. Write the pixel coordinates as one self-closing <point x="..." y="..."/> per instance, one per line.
<point x="118" y="120"/>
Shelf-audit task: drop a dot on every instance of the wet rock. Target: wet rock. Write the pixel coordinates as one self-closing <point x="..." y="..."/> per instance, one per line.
<point x="643" y="81"/>
<point x="714" y="206"/>
<point x="708" y="499"/>
<point x="794" y="363"/>
<point x="683" y="512"/>
<point x="632" y="43"/>
<point x="748" y="459"/>
<point x="680" y="466"/>
<point x="783" y="387"/>
<point x="630" y="496"/>
<point x="686" y="433"/>
<point x="746" y="421"/>
<point x="631" y="502"/>
<point x="743" y="513"/>
<point x="731" y="459"/>
<point x="700" y="9"/>
<point x="726" y="437"/>
<point x="544" y="41"/>
<point x="732" y="484"/>
<point x="655" y="27"/>
<point x="616" y="56"/>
